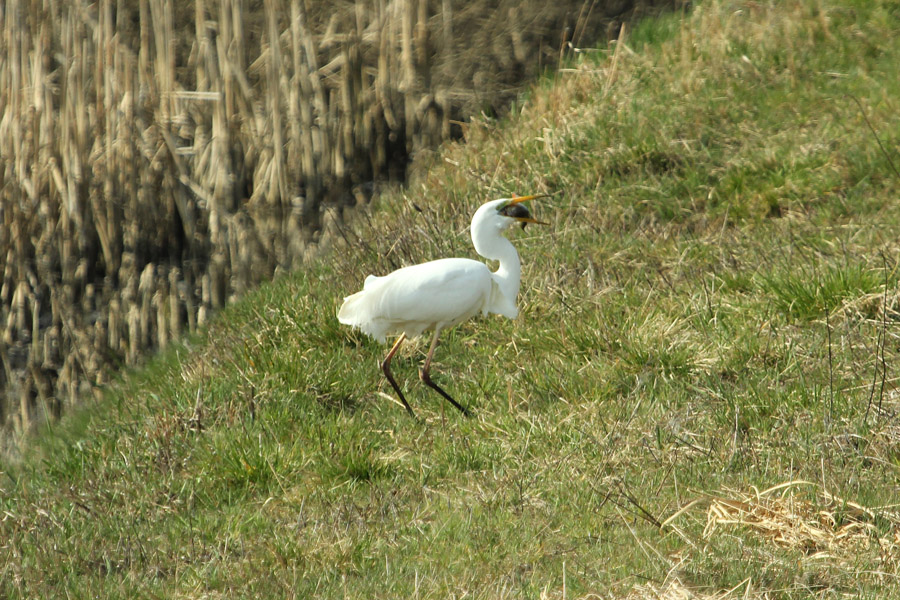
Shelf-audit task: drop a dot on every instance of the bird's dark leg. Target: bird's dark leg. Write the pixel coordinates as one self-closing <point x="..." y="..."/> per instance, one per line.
<point x="386" y="367"/>
<point x="427" y="378"/>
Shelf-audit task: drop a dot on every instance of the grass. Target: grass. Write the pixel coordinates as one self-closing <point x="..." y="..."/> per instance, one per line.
<point x="698" y="397"/>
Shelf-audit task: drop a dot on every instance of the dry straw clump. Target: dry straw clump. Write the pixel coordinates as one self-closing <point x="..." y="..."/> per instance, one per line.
<point x="826" y="530"/>
<point x="673" y="588"/>
<point x="158" y="158"/>
<point x="828" y="527"/>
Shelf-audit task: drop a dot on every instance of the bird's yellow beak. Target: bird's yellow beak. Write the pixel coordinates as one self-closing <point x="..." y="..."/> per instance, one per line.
<point x="516" y="199"/>
<point x="529" y="218"/>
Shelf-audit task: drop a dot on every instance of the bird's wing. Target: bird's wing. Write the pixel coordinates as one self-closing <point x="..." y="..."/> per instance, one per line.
<point x="440" y="291"/>
<point x="413" y="299"/>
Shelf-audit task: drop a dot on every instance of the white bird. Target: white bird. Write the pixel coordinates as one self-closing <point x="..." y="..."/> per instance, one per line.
<point x="443" y="293"/>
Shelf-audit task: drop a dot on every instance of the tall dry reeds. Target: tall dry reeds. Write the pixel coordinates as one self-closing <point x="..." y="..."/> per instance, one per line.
<point x="158" y="158"/>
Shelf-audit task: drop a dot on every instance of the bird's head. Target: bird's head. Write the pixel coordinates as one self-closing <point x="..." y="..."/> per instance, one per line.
<point x="508" y="211"/>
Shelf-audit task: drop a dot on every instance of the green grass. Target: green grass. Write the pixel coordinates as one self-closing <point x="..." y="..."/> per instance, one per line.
<point x="712" y="311"/>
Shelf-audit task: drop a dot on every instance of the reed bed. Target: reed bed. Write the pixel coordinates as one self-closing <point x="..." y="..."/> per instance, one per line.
<point x="158" y="159"/>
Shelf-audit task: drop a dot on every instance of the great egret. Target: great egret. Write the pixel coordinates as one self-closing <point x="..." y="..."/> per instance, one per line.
<point x="443" y="293"/>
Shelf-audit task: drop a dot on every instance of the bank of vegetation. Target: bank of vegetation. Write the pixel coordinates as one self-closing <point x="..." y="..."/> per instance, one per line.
<point x="161" y="158"/>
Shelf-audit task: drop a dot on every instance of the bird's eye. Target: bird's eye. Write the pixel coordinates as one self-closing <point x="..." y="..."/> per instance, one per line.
<point x="516" y="211"/>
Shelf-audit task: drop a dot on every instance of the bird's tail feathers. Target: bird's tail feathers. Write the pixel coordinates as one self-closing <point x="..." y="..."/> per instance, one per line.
<point x="355" y="311"/>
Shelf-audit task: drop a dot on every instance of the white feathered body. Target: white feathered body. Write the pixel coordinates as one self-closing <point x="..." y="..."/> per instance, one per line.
<point x="433" y="295"/>
<point x="442" y="293"/>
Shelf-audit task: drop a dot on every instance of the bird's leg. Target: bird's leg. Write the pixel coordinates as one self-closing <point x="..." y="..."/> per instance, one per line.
<point x="386" y="367"/>
<point x="427" y="378"/>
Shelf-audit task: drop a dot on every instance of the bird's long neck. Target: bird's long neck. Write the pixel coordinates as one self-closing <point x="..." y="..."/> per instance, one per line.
<point x="491" y="245"/>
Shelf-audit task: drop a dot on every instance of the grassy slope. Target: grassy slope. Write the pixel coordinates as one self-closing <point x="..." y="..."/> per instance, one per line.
<point x="713" y="310"/>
